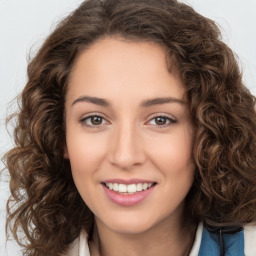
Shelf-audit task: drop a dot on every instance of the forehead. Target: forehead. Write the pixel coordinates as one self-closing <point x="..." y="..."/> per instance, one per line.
<point x="115" y="66"/>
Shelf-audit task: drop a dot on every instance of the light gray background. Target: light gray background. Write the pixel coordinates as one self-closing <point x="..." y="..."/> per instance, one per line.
<point x="25" y="23"/>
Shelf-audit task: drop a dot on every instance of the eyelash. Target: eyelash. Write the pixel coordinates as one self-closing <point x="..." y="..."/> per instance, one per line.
<point x="83" y="121"/>
<point x="167" y="118"/>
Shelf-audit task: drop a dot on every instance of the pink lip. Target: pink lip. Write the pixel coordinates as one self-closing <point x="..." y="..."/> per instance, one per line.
<point x="126" y="199"/>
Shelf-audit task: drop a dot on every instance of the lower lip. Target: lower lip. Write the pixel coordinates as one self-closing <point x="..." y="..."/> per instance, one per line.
<point x="127" y="199"/>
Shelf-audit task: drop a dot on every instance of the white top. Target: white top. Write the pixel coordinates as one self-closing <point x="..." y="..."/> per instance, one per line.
<point x="80" y="246"/>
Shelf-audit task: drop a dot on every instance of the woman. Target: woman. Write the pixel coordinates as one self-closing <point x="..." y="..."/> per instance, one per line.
<point x="135" y="136"/>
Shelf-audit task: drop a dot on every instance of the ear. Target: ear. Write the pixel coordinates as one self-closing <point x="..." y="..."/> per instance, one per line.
<point x="65" y="152"/>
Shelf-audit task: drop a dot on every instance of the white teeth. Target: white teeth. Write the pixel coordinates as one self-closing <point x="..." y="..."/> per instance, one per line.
<point x="115" y="187"/>
<point x="122" y="188"/>
<point x="144" y="186"/>
<point x="139" y="187"/>
<point x="130" y="189"/>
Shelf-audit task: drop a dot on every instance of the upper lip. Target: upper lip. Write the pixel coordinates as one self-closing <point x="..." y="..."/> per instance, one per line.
<point x="127" y="182"/>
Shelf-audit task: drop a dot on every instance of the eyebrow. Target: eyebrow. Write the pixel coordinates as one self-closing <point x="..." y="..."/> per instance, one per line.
<point x="144" y="104"/>
<point x="94" y="100"/>
<point x="160" y="101"/>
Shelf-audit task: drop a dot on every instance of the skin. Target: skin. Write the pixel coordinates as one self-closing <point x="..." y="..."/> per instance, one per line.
<point x="128" y="142"/>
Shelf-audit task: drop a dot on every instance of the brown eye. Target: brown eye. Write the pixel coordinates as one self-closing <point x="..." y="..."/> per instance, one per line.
<point x="93" y="121"/>
<point x="96" y="120"/>
<point x="160" y="120"/>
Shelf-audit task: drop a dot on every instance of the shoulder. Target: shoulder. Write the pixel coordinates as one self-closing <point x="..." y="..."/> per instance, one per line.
<point x="246" y="239"/>
<point x="195" y="249"/>
<point x="79" y="246"/>
<point x="73" y="249"/>
<point x="250" y="240"/>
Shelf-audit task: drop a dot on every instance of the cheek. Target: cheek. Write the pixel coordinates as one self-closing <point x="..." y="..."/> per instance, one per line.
<point x="85" y="155"/>
<point x="85" y="151"/>
<point x="173" y="157"/>
<point x="174" y="160"/>
<point x="174" y="153"/>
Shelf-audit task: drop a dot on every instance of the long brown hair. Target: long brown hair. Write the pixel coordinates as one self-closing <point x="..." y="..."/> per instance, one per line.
<point x="45" y="203"/>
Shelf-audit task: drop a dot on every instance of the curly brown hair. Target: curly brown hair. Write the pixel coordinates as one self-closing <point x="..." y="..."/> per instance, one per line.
<point x="45" y="203"/>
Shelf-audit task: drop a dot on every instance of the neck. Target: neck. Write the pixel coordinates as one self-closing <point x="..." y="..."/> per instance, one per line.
<point x="168" y="238"/>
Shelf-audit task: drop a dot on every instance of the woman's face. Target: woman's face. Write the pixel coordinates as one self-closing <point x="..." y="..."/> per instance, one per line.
<point x="129" y="135"/>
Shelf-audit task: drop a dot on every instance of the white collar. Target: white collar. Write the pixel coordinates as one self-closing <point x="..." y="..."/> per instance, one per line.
<point x="80" y="246"/>
<point x="196" y="246"/>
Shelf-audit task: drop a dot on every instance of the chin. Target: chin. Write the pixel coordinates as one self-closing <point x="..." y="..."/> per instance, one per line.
<point x="132" y="225"/>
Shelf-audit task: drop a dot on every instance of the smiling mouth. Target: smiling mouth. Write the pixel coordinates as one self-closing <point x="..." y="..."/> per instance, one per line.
<point x="128" y="189"/>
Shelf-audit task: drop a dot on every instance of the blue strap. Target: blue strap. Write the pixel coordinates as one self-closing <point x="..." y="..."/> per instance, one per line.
<point x="233" y="244"/>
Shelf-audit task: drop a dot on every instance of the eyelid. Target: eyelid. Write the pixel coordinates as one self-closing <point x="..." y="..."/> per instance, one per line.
<point x="171" y="119"/>
<point x="88" y="116"/>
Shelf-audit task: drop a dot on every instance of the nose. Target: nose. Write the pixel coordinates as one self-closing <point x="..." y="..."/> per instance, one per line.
<point x="126" y="147"/>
